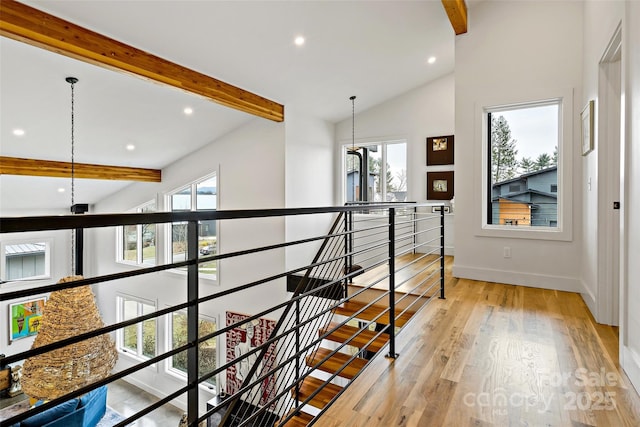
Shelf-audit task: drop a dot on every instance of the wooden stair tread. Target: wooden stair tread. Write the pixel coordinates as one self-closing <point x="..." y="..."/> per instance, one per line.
<point x="310" y="385"/>
<point x="335" y="362"/>
<point x="350" y="307"/>
<point x="354" y="336"/>
<point x="301" y="419"/>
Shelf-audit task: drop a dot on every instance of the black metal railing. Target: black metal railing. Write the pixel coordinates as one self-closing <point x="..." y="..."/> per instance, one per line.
<point x="399" y="252"/>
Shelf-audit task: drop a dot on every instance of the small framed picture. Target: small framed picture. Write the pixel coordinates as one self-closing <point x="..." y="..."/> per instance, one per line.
<point x="440" y="150"/>
<point x="587" y="117"/>
<point x="24" y="318"/>
<point x="440" y="185"/>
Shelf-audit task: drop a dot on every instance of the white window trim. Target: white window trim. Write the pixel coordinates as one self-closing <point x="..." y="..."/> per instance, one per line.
<point x="207" y="278"/>
<point x="371" y="141"/>
<point x="170" y="370"/>
<point x="566" y="122"/>
<point x="120" y="241"/>
<point x="120" y="332"/>
<point x="47" y="259"/>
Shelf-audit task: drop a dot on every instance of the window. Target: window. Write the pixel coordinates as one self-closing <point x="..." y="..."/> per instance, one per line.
<point x="207" y="351"/>
<point x="139" y="339"/>
<point x="25" y="260"/>
<point x="522" y="165"/>
<point x="376" y="172"/>
<point x="198" y="196"/>
<point x="138" y="242"/>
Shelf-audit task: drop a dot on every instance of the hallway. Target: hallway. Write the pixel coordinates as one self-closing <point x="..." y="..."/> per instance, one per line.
<point x="495" y="355"/>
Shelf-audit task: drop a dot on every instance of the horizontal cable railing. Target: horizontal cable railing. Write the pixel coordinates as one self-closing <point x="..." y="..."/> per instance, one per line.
<point x="382" y="262"/>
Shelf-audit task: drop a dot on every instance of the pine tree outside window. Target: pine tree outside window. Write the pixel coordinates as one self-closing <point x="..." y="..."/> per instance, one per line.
<point x="522" y="157"/>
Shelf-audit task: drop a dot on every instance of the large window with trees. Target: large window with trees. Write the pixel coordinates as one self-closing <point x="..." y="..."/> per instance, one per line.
<point x="523" y="170"/>
<point x="207" y="350"/>
<point x="200" y="195"/>
<point x="138" y="340"/>
<point x="138" y="241"/>
<point x="376" y="172"/>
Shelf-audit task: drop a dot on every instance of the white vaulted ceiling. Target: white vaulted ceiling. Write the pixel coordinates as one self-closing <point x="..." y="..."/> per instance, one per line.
<point x="373" y="49"/>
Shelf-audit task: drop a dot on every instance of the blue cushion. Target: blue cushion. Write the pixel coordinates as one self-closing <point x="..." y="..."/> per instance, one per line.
<point x="93" y="405"/>
<point x="92" y="395"/>
<point x="51" y="414"/>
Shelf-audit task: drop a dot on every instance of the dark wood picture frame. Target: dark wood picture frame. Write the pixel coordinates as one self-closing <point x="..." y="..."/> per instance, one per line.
<point x="440" y="150"/>
<point x="440" y="185"/>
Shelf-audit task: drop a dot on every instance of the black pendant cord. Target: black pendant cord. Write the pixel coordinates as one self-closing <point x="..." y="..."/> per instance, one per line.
<point x="353" y="140"/>
<point x="73" y="81"/>
<point x="353" y="122"/>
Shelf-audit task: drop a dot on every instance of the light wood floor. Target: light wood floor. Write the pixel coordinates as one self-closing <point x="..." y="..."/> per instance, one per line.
<point x="495" y="355"/>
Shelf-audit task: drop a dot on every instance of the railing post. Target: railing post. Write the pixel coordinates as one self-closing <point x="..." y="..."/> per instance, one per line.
<point x="392" y="284"/>
<point x="192" y="321"/>
<point x="297" y="400"/>
<point x="415" y="229"/>
<point x="442" y="252"/>
<point x="348" y="246"/>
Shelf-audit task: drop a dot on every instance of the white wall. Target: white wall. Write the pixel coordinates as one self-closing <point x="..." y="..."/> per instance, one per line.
<point x="250" y="165"/>
<point x="414" y="116"/>
<point x="600" y="22"/>
<point x="309" y="170"/>
<point x="630" y="276"/>
<point x="60" y="260"/>
<point x="515" y="51"/>
<point x="423" y="112"/>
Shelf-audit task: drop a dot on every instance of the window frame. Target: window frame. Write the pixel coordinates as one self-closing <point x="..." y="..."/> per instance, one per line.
<point x="48" y="242"/>
<point x="566" y="122"/>
<point x="193" y="186"/>
<point x="169" y="369"/>
<point x="120" y="347"/>
<point x="121" y="235"/>
<point x="384" y="142"/>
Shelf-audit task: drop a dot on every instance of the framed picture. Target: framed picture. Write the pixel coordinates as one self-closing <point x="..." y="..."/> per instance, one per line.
<point x="440" y="185"/>
<point x="24" y="318"/>
<point x="440" y="150"/>
<point x="587" y="117"/>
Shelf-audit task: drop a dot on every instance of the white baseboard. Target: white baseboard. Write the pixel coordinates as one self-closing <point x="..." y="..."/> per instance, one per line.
<point x="590" y="300"/>
<point x="558" y="283"/>
<point x="448" y="250"/>
<point x="630" y="362"/>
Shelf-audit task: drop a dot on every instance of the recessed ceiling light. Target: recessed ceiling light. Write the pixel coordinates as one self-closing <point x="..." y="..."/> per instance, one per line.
<point x="18" y="132"/>
<point x="131" y="147"/>
<point x="299" y="41"/>
<point x="431" y="60"/>
<point x="188" y="111"/>
<point x="60" y="190"/>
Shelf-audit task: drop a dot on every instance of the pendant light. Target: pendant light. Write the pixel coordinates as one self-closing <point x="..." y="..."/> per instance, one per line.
<point x="68" y="313"/>
<point x="353" y="142"/>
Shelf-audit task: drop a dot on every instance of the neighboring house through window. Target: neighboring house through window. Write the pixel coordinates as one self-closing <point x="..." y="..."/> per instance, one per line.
<point x="25" y="260"/>
<point x="376" y="172"/>
<point x="522" y="164"/>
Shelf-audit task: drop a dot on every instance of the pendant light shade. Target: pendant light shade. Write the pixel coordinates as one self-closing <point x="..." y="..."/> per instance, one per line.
<point x="68" y="313"/>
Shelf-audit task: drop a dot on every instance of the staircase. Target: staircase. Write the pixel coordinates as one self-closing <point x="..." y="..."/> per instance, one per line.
<point x="370" y="310"/>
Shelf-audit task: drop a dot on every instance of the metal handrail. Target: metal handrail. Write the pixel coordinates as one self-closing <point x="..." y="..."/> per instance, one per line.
<point x="329" y="265"/>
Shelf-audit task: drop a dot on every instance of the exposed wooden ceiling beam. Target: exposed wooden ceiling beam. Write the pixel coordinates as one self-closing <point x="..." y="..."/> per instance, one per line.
<point x="457" y="12"/>
<point x="35" y="27"/>
<point x="32" y="167"/>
